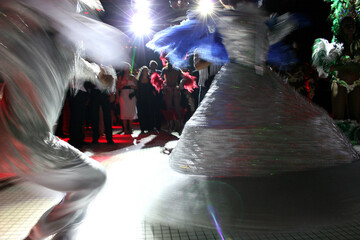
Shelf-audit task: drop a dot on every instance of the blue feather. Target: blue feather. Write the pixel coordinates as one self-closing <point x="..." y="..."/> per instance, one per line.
<point x="179" y="41"/>
<point x="282" y="56"/>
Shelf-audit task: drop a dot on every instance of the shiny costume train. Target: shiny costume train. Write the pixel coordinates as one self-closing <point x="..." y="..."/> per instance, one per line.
<point x="255" y="155"/>
<point x="38" y="60"/>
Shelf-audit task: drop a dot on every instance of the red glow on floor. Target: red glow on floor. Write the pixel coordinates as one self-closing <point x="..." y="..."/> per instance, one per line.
<point x="118" y="136"/>
<point x="101" y="158"/>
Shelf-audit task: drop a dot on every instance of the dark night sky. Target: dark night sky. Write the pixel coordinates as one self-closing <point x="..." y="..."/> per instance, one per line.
<point x="117" y="13"/>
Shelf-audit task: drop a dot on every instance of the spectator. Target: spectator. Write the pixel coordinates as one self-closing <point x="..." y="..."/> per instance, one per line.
<point x="172" y="97"/>
<point x="145" y="100"/>
<point x="158" y="103"/>
<point x="100" y="97"/>
<point x="127" y="85"/>
<point x="78" y="100"/>
<point x="153" y="65"/>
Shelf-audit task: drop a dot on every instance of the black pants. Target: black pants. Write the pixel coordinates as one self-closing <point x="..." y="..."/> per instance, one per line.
<point x="158" y="106"/>
<point x="98" y="99"/>
<point x="77" y="117"/>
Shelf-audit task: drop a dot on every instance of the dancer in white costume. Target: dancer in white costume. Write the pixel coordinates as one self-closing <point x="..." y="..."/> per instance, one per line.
<point x="255" y="155"/>
<point x="38" y="59"/>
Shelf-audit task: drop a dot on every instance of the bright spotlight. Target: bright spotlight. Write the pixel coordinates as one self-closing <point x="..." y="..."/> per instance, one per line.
<point x="142" y="6"/>
<point x="205" y="7"/>
<point x="141" y="24"/>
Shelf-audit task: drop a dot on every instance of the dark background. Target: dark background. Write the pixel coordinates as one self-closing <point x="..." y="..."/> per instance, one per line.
<point x="118" y="12"/>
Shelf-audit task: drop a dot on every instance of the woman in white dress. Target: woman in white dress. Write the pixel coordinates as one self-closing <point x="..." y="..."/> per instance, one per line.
<point x="127" y="86"/>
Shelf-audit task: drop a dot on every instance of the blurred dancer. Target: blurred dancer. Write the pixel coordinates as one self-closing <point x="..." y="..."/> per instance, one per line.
<point x="38" y="59"/>
<point x="255" y="155"/>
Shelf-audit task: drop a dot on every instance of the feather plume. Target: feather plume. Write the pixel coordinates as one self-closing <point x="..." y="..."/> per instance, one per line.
<point x="341" y="9"/>
<point x="324" y="55"/>
<point x="182" y="40"/>
<point x="157" y="81"/>
<point x="189" y="82"/>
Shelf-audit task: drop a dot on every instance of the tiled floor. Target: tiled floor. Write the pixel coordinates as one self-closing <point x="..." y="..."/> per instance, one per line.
<point x="21" y="205"/>
<point x="115" y="215"/>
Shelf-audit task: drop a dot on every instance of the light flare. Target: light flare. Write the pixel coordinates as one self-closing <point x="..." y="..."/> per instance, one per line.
<point x="141" y="24"/>
<point x="217" y="225"/>
<point x="142" y="6"/>
<point x="206" y="7"/>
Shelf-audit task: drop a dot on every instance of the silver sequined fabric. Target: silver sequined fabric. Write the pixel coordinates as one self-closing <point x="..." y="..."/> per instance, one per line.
<point x="251" y="124"/>
<point x="255" y="156"/>
<point x="37" y="67"/>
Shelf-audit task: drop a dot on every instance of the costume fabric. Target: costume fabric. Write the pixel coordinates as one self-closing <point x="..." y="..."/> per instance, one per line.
<point x="256" y="155"/>
<point x="256" y="110"/>
<point x="325" y="54"/>
<point x="206" y="73"/>
<point x="205" y="40"/>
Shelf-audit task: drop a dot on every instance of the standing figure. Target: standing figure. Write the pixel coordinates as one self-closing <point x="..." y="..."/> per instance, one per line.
<point x="100" y="97"/>
<point x="341" y="60"/>
<point x="346" y="80"/>
<point x="158" y="98"/>
<point x="153" y="65"/>
<point x="145" y="100"/>
<point x="172" y="96"/>
<point x="38" y="60"/>
<point x="78" y="101"/>
<point x="127" y="85"/>
<point x="255" y="155"/>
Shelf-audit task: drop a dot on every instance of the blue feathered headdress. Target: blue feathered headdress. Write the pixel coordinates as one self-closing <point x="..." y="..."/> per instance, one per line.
<point x="182" y="40"/>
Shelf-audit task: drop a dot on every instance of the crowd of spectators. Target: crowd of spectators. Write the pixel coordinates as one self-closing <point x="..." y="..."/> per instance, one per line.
<point x="132" y="98"/>
<point x="135" y="98"/>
